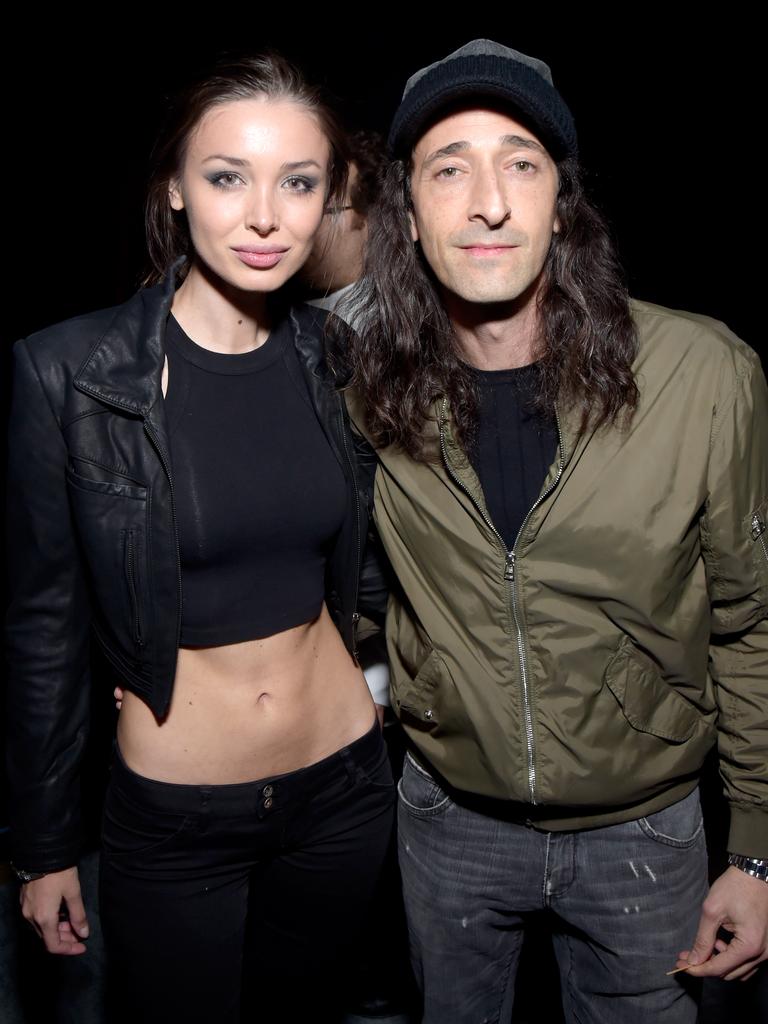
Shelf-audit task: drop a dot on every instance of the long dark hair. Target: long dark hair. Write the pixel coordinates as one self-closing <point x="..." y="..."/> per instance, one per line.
<point x="230" y="78"/>
<point x="404" y="353"/>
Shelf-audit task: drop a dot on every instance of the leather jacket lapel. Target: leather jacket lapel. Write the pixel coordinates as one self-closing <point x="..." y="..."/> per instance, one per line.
<point x="124" y="367"/>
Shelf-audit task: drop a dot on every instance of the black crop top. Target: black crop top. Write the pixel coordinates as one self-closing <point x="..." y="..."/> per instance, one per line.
<point x="259" y="493"/>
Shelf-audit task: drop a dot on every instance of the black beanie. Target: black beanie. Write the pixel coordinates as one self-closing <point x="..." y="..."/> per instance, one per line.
<point x="484" y="68"/>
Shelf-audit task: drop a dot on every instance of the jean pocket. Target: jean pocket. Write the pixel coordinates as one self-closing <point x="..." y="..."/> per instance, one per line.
<point x="679" y="825"/>
<point x="130" y="830"/>
<point x="419" y="792"/>
<point x="374" y="769"/>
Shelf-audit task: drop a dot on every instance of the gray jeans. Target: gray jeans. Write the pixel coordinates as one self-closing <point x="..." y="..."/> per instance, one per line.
<point x="623" y="901"/>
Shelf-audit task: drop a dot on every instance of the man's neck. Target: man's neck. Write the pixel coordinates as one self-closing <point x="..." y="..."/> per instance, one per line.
<point x="499" y="336"/>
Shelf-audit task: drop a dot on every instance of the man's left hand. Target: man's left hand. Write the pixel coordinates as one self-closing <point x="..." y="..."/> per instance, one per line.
<point x="739" y="904"/>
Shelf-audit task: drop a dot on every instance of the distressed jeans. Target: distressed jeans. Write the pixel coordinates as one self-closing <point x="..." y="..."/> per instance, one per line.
<point x="622" y="900"/>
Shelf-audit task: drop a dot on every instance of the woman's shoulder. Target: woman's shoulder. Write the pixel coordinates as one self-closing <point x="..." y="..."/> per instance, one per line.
<point x="73" y="338"/>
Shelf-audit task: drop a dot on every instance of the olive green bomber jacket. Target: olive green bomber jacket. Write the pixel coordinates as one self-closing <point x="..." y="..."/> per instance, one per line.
<point x="587" y="672"/>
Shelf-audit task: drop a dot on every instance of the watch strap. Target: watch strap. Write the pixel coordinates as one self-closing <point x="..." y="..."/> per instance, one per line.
<point x="757" y="867"/>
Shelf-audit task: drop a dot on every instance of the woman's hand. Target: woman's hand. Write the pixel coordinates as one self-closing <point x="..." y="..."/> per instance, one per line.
<point x="41" y="904"/>
<point x="118" y="698"/>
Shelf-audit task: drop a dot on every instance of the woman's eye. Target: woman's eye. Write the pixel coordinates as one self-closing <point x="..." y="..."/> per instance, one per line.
<point x="226" y="179"/>
<point x="448" y="172"/>
<point x="296" y="183"/>
<point x="524" y="165"/>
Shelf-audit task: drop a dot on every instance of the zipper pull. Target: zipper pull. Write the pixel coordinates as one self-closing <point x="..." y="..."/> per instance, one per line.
<point x="758" y="526"/>
<point x="355" y="624"/>
<point x="509" y="566"/>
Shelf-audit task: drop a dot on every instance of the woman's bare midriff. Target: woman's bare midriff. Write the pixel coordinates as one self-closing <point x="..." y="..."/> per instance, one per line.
<point x="249" y="710"/>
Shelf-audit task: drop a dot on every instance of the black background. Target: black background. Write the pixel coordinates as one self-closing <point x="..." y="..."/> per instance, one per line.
<point x="667" y="116"/>
<point x="669" y="127"/>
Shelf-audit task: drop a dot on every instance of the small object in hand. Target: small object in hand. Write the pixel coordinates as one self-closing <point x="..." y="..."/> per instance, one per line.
<point x="678" y="969"/>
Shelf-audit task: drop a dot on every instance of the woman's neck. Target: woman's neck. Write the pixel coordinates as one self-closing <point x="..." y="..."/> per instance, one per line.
<point x="219" y="317"/>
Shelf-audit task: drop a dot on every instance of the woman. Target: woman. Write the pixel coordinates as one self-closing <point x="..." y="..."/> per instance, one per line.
<point x="184" y="484"/>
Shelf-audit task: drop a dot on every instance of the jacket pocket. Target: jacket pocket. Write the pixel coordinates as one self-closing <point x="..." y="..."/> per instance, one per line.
<point x="115" y="488"/>
<point x="111" y="519"/>
<point x="131" y="562"/>
<point x="417" y="700"/>
<point x="649" y="703"/>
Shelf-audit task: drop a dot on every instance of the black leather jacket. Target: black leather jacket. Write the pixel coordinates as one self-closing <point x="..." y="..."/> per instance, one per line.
<point x="93" y="543"/>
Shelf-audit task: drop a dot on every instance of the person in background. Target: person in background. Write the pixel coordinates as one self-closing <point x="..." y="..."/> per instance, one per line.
<point x="336" y="261"/>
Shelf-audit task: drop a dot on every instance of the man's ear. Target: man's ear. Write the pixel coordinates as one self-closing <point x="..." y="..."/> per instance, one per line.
<point x="414" y="229"/>
<point x="175" y="197"/>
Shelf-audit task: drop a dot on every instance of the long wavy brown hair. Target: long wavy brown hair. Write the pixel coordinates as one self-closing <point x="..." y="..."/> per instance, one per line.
<point x="404" y="353"/>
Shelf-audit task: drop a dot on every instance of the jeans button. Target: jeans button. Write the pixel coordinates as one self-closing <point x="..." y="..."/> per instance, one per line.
<point x="268" y="791"/>
<point x="268" y="803"/>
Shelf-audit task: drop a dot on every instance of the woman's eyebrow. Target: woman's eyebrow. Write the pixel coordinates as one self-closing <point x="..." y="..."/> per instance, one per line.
<point x="297" y="164"/>
<point x="237" y="161"/>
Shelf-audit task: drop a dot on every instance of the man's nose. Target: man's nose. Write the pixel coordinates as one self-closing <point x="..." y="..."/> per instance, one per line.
<point x="488" y="199"/>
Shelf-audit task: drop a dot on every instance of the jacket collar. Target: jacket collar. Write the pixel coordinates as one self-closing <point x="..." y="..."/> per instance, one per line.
<point x="124" y="368"/>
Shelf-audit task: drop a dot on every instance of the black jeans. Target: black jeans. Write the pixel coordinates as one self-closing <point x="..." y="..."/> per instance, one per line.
<point x="244" y="901"/>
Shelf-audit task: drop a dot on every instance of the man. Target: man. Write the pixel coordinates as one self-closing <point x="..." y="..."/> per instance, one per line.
<point x="573" y="493"/>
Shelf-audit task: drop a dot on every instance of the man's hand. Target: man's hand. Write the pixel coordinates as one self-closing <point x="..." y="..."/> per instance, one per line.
<point x="738" y="903"/>
<point x="41" y="901"/>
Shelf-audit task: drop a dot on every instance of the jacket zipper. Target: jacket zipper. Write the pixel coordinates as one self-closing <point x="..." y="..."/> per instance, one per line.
<point x="509" y="577"/>
<point x="758" y="532"/>
<point x="161" y="454"/>
<point x="355" y="613"/>
<point x="133" y="593"/>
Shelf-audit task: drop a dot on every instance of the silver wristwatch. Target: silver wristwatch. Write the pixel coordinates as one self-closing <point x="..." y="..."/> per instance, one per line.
<point x="27" y="876"/>
<point x="750" y="865"/>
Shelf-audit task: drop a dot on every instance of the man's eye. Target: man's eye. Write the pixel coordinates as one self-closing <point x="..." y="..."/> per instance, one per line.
<point x="448" y="172"/>
<point x="523" y="165"/>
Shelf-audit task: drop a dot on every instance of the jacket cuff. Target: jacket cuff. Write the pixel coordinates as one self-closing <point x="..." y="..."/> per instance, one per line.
<point x="748" y="834"/>
<point x="31" y="857"/>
